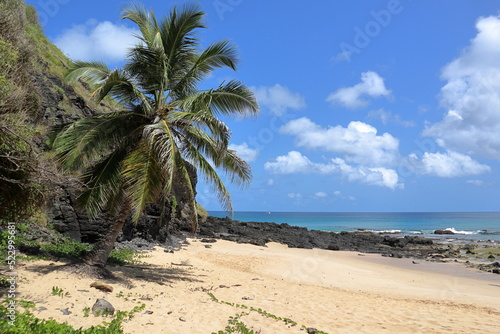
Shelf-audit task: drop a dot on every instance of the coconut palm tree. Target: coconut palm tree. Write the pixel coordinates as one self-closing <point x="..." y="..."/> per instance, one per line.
<point x="130" y="158"/>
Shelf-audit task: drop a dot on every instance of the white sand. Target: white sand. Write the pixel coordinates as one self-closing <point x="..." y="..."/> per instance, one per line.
<point x="336" y="292"/>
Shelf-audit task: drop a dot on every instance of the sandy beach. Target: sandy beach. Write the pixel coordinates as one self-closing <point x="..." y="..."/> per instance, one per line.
<point x="332" y="291"/>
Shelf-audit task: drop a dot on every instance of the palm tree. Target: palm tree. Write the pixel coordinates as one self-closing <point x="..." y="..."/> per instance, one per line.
<point x="130" y="158"/>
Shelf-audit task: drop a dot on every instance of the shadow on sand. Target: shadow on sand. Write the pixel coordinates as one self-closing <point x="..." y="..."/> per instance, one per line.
<point x="158" y="274"/>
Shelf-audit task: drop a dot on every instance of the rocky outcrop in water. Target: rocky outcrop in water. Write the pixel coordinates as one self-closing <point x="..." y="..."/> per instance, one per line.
<point x="299" y="237"/>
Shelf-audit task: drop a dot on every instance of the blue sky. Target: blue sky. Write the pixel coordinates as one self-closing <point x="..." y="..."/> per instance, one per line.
<point x="365" y="105"/>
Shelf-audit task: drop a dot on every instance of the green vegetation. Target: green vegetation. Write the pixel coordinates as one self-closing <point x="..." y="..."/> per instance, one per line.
<point x="235" y="325"/>
<point x="57" y="291"/>
<point x="123" y="257"/>
<point x="52" y="245"/>
<point x="8" y="61"/>
<point x="52" y="59"/>
<point x="86" y="312"/>
<point x="21" y="193"/>
<point x="26" y="322"/>
<point x="26" y="54"/>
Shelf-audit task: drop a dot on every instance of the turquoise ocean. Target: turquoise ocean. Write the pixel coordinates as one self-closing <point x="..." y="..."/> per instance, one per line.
<point x="467" y="225"/>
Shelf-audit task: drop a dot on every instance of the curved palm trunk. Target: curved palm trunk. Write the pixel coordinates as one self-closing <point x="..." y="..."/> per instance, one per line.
<point x="99" y="254"/>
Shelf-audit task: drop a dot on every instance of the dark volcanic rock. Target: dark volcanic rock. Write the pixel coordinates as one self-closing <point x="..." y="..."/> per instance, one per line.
<point x="208" y="241"/>
<point x="69" y="220"/>
<point x="158" y="224"/>
<point x="443" y="232"/>
<point x="300" y="237"/>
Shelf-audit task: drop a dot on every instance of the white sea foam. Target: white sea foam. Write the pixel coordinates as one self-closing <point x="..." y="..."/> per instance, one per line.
<point x="452" y="229"/>
<point x="385" y="231"/>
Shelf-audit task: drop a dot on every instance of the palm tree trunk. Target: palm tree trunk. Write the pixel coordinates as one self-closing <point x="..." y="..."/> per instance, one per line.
<point x="99" y="254"/>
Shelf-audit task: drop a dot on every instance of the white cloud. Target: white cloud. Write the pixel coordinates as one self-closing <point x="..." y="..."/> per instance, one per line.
<point x="387" y="117"/>
<point x="379" y="176"/>
<point x="278" y="99"/>
<point x="295" y="195"/>
<point x="245" y="152"/>
<point x="366" y="155"/>
<point x="472" y="96"/>
<point x="358" y="142"/>
<point x="451" y="164"/>
<point x="478" y="183"/>
<point x="320" y="194"/>
<point x="97" y="41"/>
<point x="338" y="194"/>
<point x="294" y="162"/>
<point x="371" y="85"/>
<point x="270" y="182"/>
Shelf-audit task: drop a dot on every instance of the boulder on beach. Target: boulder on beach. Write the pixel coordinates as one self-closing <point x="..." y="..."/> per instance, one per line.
<point x="102" y="307"/>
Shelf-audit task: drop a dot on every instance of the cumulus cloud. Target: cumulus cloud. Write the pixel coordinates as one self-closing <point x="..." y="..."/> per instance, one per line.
<point x="358" y="142"/>
<point x="295" y="195"/>
<point x="451" y="164"/>
<point x="472" y="96"/>
<point x="294" y="162"/>
<point x="371" y="85"/>
<point x="97" y="41"/>
<point x="278" y="99"/>
<point x="379" y="176"/>
<point x="320" y="194"/>
<point x="245" y="152"/>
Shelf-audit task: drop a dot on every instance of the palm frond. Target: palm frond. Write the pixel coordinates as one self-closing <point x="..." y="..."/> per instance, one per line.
<point x="104" y="184"/>
<point x="228" y="99"/>
<point x="210" y="175"/>
<point x="179" y="40"/>
<point x="204" y="143"/>
<point x="145" y="20"/>
<point x="238" y="170"/>
<point x="219" y="131"/>
<point x="143" y="177"/>
<point x="121" y="86"/>
<point x="93" y="72"/>
<point x="165" y="148"/>
<point x="146" y="65"/>
<point x="88" y="139"/>
<point x="216" y="55"/>
<point x="233" y="98"/>
<point x="188" y="188"/>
